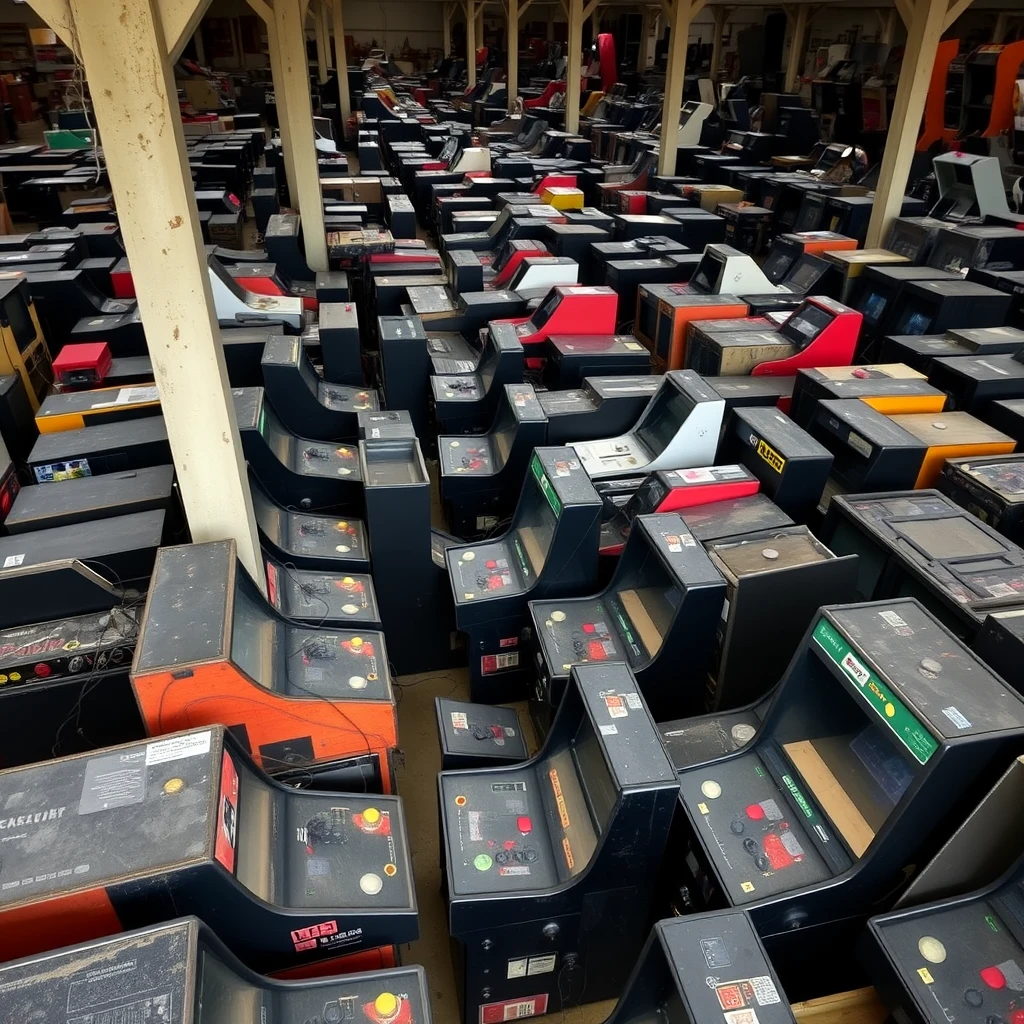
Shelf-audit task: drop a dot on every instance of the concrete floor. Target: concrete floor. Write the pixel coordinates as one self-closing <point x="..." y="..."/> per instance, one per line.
<point x="417" y="785"/>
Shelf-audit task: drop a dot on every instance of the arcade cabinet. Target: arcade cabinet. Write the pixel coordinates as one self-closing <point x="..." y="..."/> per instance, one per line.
<point x="284" y="878"/>
<point x="957" y="958"/>
<point x="658" y="614"/>
<point x="882" y="729"/>
<point x="180" y="973"/>
<point x="678" y="429"/>
<point x="541" y="910"/>
<point x="481" y="475"/>
<point x="478" y="735"/>
<point x="601" y="407"/>
<point x="973" y="383"/>
<point x="212" y="650"/>
<point x="970" y="188"/>
<point x="549" y="550"/>
<point x="701" y="968"/>
<point x="309" y="406"/>
<point x="991" y="488"/>
<point x="932" y="307"/>
<point x="23" y="348"/>
<point x="921" y="543"/>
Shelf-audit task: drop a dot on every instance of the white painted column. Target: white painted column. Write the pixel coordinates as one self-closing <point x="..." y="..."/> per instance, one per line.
<point x="721" y="15"/>
<point x="471" y="42"/>
<point x="124" y="51"/>
<point x="683" y="12"/>
<point x="446" y="28"/>
<point x="797" y="18"/>
<point x="573" y="69"/>
<point x="927" y="22"/>
<point x="341" y="66"/>
<point x="646" y="29"/>
<point x="512" y="75"/>
<point x="317" y="11"/>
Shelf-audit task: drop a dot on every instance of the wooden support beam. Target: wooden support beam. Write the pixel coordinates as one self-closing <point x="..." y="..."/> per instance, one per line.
<point x="887" y="25"/>
<point x="57" y="14"/>
<point x="523" y="7"/>
<point x="647" y="21"/>
<point x="682" y="13"/>
<point x="470" y="42"/>
<point x="316" y="8"/>
<point x="721" y="16"/>
<point x="180" y="19"/>
<point x="590" y="8"/>
<point x="956" y="8"/>
<point x="666" y="12"/>
<point x="512" y="75"/>
<point x="1002" y="23"/>
<point x="906" y="10"/>
<point x="923" y="35"/>
<point x="341" y="66"/>
<point x="123" y="50"/>
<point x="573" y="71"/>
<point x="290" y="31"/>
<point x="447" y="10"/>
<point x="480" y="23"/>
<point x="799" y="16"/>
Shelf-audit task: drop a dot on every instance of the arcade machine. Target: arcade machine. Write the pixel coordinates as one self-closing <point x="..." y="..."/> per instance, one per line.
<point x="990" y="488"/>
<point x="847" y="266"/>
<point x="320" y="598"/>
<point x="959" y="957"/>
<point x="789" y="249"/>
<point x="921" y="543"/>
<point x="307" y="405"/>
<point x="212" y="650"/>
<point x="9" y="484"/>
<point x="791" y="466"/>
<point x="541" y="913"/>
<point x="573" y="358"/>
<point x="296" y="471"/>
<point x="284" y="878"/>
<point x="1008" y="416"/>
<point x="466" y="403"/>
<point x="820" y="332"/>
<point x="238" y="308"/>
<point x="180" y="972"/>
<point x="413" y="592"/>
<point x="1000" y="644"/>
<point x="973" y="383"/>
<point x="977" y="247"/>
<point x="856" y="773"/>
<point x="23" y="348"/>
<point x="658" y="614"/>
<point x="678" y="429"/>
<point x="481" y="474"/>
<point x="439" y="310"/>
<point x="73" y="410"/>
<point x="478" y="735"/>
<point x="932" y="307"/>
<point x="549" y="550"/>
<point x="307" y="541"/>
<point x="568" y="309"/>
<point x="602" y="406"/>
<point x="879" y="291"/>
<point x="918" y="351"/>
<point x="671" y="980"/>
<point x="890" y="388"/>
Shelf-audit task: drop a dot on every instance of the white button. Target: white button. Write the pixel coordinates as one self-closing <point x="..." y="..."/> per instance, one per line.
<point x="350" y="609"/>
<point x="343" y="549"/>
<point x="931" y="949"/>
<point x="558" y="616"/>
<point x="371" y="884"/>
<point x="711" y="789"/>
<point x="743" y="733"/>
<point x="357" y="682"/>
<point x="468" y="556"/>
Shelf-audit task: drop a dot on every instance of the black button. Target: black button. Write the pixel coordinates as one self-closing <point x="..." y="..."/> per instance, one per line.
<point x="972" y="997"/>
<point x="737" y="826"/>
<point x="529" y="856"/>
<point x="761" y="862"/>
<point x="750" y="845"/>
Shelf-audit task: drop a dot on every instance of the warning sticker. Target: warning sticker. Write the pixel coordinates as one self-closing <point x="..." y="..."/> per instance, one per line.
<point x="541" y="964"/>
<point x="513" y="1009"/>
<point x="178" y="747"/>
<point x="633" y="701"/>
<point x="117" y="780"/>
<point x="459" y="720"/>
<point x="616" y="708"/>
<point x="746" y="1016"/>
<point x="516" y="968"/>
<point x="13" y="560"/>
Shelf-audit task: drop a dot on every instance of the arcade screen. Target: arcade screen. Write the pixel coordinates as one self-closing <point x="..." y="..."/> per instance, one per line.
<point x="662" y="419"/>
<point x="778" y="264"/>
<point x="873" y="305"/>
<point x="647" y="598"/>
<point x="851" y="764"/>
<point x="708" y="274"/>
<point x="871" y="560"/>
<point x="915" y="317"/>
<point x="16" y="314"/>
<point x="906" y="240"/>
<point x="499" y="222"/>
<point x="450" y="148"/>
<point x="252" y="638"/>
<point x="1006" y="478"/>
<point x="805" y="324"/>
<point x="536" y="529"/>
<point x="953" y="254"/>
<point x="541" y="314"/>
<point x="807" y="271"/>
<point x="647" y="316"/>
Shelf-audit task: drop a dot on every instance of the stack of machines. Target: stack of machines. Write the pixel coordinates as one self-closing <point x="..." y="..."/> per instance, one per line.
<point x="712" y="516"/>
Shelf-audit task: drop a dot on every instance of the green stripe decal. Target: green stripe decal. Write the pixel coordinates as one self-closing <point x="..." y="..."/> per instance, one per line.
<point x="886" y="705"/>
<point x="545" y="485"/>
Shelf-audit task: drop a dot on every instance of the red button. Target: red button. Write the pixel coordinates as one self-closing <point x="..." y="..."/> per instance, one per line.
<point x="993" y="977"/>
<point x="1017" y="1017"/>
<point x="42" y="670"/>
<point x="492" y="565"/>
<point x="588" y="627"/>
<point x="525" y="825"/>
<point x="860" y="373"/>
<point x="755" y="812"/>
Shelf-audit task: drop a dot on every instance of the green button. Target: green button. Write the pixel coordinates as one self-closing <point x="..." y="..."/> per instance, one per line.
<point x="482" y="861"/>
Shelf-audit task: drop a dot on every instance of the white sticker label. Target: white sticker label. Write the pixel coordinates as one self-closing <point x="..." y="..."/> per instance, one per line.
<point x="178" y="747"/>
<point x="855" y="669"/>
<point x="1001" y="590"/>
<point x="459" y="720"/>
<point x="953" y="714"/>
<point x="765" y="991"/>
<point x="609" y="730"/>
<point x="893" y="619"/>
<point x="12" y="560"/>
<point x="541" y="964"/>
<point x="746" y="1016"/>
<point x="696" y="476"/>
<point x="858" y="444"/>
<point x="633" y="701"/>
<point x="516" y="969"/>
<point x="131" y="396"/>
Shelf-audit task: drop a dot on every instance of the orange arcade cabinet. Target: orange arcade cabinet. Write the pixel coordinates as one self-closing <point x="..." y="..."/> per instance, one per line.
<point x="212" y="650"/>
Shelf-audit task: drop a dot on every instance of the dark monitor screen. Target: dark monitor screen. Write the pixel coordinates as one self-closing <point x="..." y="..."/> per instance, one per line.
<point x="708" y="273"/>
<point x="962" y="175"/>
<point x="543" y="312"/>
<point x="871" y="560"/>
<point x="250" y="627"/>
<point x="777" y="266"/>
<point x="954" y="255"/>
<point x="499" y="222"/>
<point x="873" y="304"/>
<point x="16" y="314"/>
<point x="596" y="779"/>
<point x="806" y="324"/>
<point x="805" y="273"/>
<point x="915" y="317"/>
<point x="647" y="316"/>
<point x="661" y="422"/>
<point x="905" y="241"/>
<point x="948" y="538"/>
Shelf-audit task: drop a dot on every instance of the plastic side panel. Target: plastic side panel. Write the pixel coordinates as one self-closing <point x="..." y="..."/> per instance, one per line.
<point x="220" y="694"/>
<point x="897" y="405"/>
<point x="935" y="458"/>
<point x="37" y="927"/>
<point x="380" y="958"/>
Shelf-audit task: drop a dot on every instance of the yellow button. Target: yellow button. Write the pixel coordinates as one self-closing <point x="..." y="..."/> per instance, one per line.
<point x="357" y="641"/>
<point x="343" y="525"/>
<point x="371" y="815"/>
<point x="15" y="677"/>
<point x="385" y="1004"/>
<point x="172" y="786"/>
<point x="347" y="580"/>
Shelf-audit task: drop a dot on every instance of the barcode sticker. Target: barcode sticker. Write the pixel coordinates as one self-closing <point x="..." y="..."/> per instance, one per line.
<point x="491" y="663"/>
<point x="513" y="1009"/>
<point x="633" y="701"/>
<point x="954" y="715"/>
<point x="13" y="560"/>
<point x="609" y="730"/>
<point x="177" y="747"/>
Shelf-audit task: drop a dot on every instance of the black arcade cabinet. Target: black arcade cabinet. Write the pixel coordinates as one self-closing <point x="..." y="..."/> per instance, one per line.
<point x="548" y="868"/>
<point x="285" y="878"/>
<point x="482" y="474"/>
<point x="571" y="358"/>
<point x="960" y="958"/>
<point x="600" y="407"/>
<point x="549" y="550"/>
<point x="883" y="730"/>
<point x="180" y="973"/>
<point x="658" y="614"/>
<point x="703" y="968"/>
<point x="307" y="405"/>
<point x="991" y="488"/>
<point x="478" y="735"/>
<point x="923" y="544"/>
